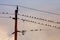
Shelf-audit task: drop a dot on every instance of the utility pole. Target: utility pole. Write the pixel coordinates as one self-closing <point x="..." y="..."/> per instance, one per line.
<point x="15" y="34"/>
<point x="15" y="30"/>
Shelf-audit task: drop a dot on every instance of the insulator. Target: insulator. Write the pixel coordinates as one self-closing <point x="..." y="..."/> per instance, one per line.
<point x="50" y="21"/>
<point x="58" y="22"/>
<point x="35" y="17"/>
<point x="42" y="24"/>
<point x="33" y="21"/>
<point x="58" y="27"/>
<point x="38" y="23"/>
<point x="13" y="18"/>
<point x="49" y="25"/>
<point x="41" y="19"/>
<point x="31" y="17"/>
<point x="36" y="29"/>
<point x="40" y="29"/>
<point x="45" y="20"/>
<point x="23" y="32"/>
<point x="31" y="30"/>
<point x="13" y="32"/>
<point x="46" y="25"/>
<point x="18" y="31"/>
<point x="54" y="26"/>
<point x="26" y="15"/>
<point x="22" y="19"/>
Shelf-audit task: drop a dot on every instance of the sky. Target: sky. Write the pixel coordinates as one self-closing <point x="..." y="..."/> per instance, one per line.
<point x="48" y="33"/>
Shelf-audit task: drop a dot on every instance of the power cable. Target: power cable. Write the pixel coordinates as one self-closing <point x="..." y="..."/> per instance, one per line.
<point x="33" y="17"/>
<point x="5" y="17"/>
<point x="41" y="29"/>
<point x="40" y="18"/>
<point x="9" y="37"/>
<point x="31" y="9"/>
<point x="40" y="23"/>
<point x="35" y="30"/>
<point x="35" y="22"/>
<point x="39" y="10"/>
<point x="5" y="38"/>
<point x="7" y="13"/>
<point x="7" y="5"/>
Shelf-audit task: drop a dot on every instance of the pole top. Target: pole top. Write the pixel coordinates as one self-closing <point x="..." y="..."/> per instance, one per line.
<point x="17" y="7"/>
<point x="16" y="11"/>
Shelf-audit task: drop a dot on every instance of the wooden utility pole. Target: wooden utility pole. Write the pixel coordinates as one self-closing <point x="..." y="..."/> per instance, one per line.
<point x="15" y="34"/>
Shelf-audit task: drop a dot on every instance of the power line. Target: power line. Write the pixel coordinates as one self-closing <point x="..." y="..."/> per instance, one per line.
<point x="7" y="5"/>
<point x="31" y="9"/>
<point x="33" y="17"/>
<point x="35" y="30"/>
<point x="6" y="38"/>
<point x="39" y="10"/>
<point x="5" y="17"/>
<point x="40" y="23"/>
<point x="41" y="29"/>
<point x="9" y="37"/>
<point x="23" y="31"/>
<point x="7" y="13"/>
<point x="40" y="18"/>
<point x="35" y="22"/>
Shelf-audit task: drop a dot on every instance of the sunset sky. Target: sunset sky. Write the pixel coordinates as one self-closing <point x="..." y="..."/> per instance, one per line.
<point x="47" y="33"/>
